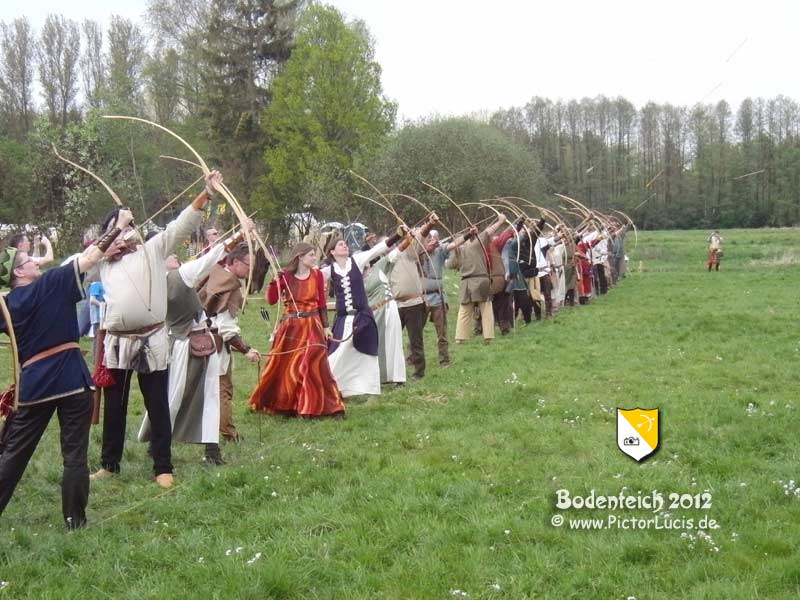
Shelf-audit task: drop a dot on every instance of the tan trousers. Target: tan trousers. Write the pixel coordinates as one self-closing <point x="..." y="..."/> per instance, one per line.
<point x="226" y="427"/>
<point x="466" y="320"/>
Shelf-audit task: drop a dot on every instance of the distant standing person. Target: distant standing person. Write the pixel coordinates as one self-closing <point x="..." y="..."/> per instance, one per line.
<point x="22" y="243"/>
<point x="714" y="250"/>
<point x="96" y="306"/>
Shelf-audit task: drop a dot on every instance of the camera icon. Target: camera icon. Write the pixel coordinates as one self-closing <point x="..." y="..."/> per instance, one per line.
<point x="630" y="441"/>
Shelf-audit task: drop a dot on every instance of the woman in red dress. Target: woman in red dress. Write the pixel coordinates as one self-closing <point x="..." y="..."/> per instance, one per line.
<point x="297" y="378"/>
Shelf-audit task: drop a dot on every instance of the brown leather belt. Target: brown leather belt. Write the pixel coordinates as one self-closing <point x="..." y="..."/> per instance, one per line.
<point x="50" y="352"/>
<point x="381" y="304"/>
<point x="300" y="315"/>
<point x="407" y="298"/>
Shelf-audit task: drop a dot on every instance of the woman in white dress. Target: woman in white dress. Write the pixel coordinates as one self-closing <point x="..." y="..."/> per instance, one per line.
<point x="353" y="350"/>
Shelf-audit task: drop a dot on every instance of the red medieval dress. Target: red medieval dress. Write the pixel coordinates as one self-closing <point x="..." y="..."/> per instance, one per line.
<point x="297" y="378"/>
<point x="585" y="266"/>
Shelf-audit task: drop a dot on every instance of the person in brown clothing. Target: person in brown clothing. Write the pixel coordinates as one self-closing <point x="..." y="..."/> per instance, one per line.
<point x="221" y="297"/>
<point x="475" y="288"/>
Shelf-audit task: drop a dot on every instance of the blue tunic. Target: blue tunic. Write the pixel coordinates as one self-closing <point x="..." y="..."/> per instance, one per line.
<point x="43" y="314"/>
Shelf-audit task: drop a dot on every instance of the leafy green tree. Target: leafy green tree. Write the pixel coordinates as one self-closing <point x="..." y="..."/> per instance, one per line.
<point x="328" y="109"/>
<point x="466" y="159"/>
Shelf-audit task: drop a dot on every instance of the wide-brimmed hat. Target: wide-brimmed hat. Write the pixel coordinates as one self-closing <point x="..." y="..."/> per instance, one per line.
<point x="7" y="257"/>
<point x="299" y="249"/>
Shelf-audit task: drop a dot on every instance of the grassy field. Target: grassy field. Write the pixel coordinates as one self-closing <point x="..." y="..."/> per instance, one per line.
<point x="446" y="488"/>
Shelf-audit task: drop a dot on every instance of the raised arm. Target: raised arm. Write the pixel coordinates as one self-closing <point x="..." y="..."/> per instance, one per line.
<point x="48" y="252"/>
<point x="187" y="221"/>
<point x="96" y="251"/>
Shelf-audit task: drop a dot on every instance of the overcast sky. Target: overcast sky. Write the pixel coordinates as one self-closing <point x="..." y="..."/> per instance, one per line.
<point x="460" y="56"/>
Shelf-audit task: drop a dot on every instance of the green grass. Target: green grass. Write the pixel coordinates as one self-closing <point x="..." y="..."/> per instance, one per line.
<point x="449" y="484"/>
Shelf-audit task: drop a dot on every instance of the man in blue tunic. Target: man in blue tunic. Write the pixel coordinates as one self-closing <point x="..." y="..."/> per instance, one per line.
<point x="54" y="377"/>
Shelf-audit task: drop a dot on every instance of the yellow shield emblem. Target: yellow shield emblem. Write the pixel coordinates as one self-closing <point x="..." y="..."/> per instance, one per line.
<point x="637" y="432"/>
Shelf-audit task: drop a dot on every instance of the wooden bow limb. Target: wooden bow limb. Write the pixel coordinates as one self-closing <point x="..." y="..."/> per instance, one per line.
<point x="183" y="160"/>
<point x="15" y="367"/>
<point x="275" y="269"/>
<point x="375" y="202"/>
<point x="168" y="204"/>
<point x="149" y="302"/>
<point x="424" y="249"/>
<point x="527" y="230"/>
<point x="400" y="220"/>
<point x="427" y="210"/>
<point x="515" y="211"/>
<point x="586" y="211"/>
<point x="635" y="233"/>
<point x="498" y="213"/>
<point x="230" y="198"/>
<point x="222" y="236"/>
<point x="388" y="206"/>
<point x="111" y="192"/>
<point x="542" y="212"/>
<point x="460" y="231"/>
<point x="466" y="218"/>
<point x="524" y="216"/>
<point x="649" y="183"/>
<point x="249" y="235"/>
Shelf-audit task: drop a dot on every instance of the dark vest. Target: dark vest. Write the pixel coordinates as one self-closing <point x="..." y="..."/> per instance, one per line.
<point x="183" y="306"/>
<point x="351" y="298"/>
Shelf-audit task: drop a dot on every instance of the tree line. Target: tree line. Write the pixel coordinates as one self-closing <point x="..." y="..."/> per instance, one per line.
<point x="285" y="97"/>
<point x="669" y="166"/>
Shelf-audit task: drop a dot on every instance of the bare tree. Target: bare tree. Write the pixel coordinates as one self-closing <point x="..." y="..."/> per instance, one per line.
<point x="161" y="73"/>
<point x="93" y="64"/>
<point x="126" y="60"/>
<point x="59" y="51"/>
<point x="16" y="74"/>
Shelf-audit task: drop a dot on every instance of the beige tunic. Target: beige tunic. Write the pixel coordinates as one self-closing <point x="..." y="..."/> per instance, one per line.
<point x="475" y="283"/>
<point x="136" y="297"/>
<point x="405" y="280"/>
